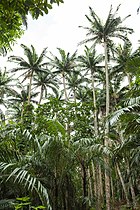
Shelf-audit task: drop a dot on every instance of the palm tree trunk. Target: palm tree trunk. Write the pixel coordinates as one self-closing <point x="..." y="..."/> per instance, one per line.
<point x="84" y="183"/>
<point x="74" y="92"/>
<point x="106" y="142"/>
<point x="64" y="85"/>
<point x="56" y="196"/>
<point x="30" y="86"/>
<point x="107" y="94"/>
<point x="123" y="184"/>
<point x="97" y="172"/>
<point x="101" y="186"/>
<point x="95" y="105"/>
<point x="112" y="192"/>
<point x="90" y="184"/>
<point x="41" y="95"/>
<point x="131" y="185"/>
<point x="94" y="179"/>
<point x="97" y="186"/>
<point x="22" y="111"/>
<point x="66" y="99"/>
<point x="129" y="79"/>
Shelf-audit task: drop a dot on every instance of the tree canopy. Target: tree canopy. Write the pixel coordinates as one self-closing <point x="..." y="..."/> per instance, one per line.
<point x="13" y="15"/>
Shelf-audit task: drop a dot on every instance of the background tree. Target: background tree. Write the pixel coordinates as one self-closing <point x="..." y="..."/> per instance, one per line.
<point x="33" y="65"/>
<point x="103" y="33"/>
<point x="6" y="86"/>
<point x="45" y="80"/>
<point x="75" y="81"/>
<point x="90" y="62"/>
<point x="63" y="65"/>
<point x="13" y="15"/>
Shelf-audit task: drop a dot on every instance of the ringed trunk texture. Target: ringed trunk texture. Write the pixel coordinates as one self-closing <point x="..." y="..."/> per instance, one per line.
<point x="41" y="95"/>
<point x="101" y="183"/>
<point x="90" y="189"/>
<point x="106" y="142"/>
<point x="74" y="92"/>
<point x="129" y="79"/>
<point x="96" y="171"/>
<point x="66" y="99"/>
<point x="94" y="179"/>
<point x="95" y="105"/>
<point x="64" y="85"/>
<point x="99" y="186"/>
<point x="107" y="94"/>
<point x="30" y="86"/>
<point x="131" y="185"/>
<point x="123" y="184"/>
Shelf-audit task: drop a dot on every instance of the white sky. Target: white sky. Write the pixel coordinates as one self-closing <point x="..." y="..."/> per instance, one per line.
<point x="60" y="27"/>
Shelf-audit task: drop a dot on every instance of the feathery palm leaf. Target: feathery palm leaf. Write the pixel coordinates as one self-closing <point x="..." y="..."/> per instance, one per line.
<point x="33" y="65"/>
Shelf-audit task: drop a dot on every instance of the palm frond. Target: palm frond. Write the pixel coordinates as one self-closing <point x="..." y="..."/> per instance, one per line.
<point x="42" y="56"/>
<point x="23" y="176"/>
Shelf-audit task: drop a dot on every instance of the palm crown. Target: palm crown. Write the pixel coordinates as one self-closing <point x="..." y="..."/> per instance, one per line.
<point x="31" y="66"/>
<point x="63" y="65"/>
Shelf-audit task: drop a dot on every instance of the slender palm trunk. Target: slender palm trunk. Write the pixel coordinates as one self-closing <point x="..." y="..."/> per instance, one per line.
<point x="41" y="95"/>
<point x="97" y="172"/>
<point x="106" y="142"/>
<point x="107" y="93"/>
<point x="74" y="92"/>
<point x="84" y="183"/>
<point x="131" y="184"/>
<point x="94" y="179"/>
<point x="56" y="196"/>
<point x="30" y="86"/>
<point x="90" y="184"/>
<point x="130" y="178"/>
<point x="95" y="105"/>
<point x="112" y="192"/>
<point x="123" y="184"/>
<point x="129" y="79"/>
<point x="64" y="85"/>
<point x="22" y="110"/>
<point x="101" y="184"/>
<point x="66" y="99"/>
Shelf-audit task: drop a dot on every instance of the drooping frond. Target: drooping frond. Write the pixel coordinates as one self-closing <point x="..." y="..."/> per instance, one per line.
<point x="41" y="57"/>
<point x="23" y="176"/>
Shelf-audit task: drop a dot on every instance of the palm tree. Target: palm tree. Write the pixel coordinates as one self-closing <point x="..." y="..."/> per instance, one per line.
<point x="90" y="62"/>
<point x="74" y="82"/>
<point x="63" y="66"/>
<point x="21" y="98"/>
<point x="45" y="80"/>
<point x="103" y="33"/>
<point x="124" y="55"/>
<point x="14" y="111"/>
<point x="84" y="94"/>
<point x="31" y="66"/>
<point x="6" y="86"/>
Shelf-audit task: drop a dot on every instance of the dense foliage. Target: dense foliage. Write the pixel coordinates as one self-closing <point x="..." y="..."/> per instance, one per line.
<point x="13" y="15"/>
<point x="69" y="135"/>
